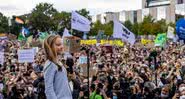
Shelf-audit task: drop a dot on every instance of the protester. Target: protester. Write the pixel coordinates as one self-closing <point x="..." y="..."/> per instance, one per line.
<point x="55" y="75"/>
<point x="128" y="72"/>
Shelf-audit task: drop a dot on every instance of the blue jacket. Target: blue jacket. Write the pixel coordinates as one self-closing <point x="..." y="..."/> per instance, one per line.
<point x="56" y="82"/>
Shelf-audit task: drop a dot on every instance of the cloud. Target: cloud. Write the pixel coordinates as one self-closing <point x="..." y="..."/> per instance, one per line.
<point x="8" y="7"/>
<point x="95" y="6"/>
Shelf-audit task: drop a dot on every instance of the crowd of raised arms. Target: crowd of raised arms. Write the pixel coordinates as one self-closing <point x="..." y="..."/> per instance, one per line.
<point x="115" y="73"/>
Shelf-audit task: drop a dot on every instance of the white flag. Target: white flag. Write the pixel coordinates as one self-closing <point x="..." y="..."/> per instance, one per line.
<point x="79" y="22"/>
<point x="120" y="31"/>
<point x="170" y="33"/>
<point x="66" y="33"/>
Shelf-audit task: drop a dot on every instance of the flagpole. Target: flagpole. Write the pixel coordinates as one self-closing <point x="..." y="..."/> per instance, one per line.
<point x="71" y="30"/>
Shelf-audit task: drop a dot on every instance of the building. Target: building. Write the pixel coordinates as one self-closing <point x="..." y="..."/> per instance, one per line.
<point x="170" y="10"/>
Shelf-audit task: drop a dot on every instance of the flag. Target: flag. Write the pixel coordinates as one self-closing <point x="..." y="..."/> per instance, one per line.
<point x="43" y="35"/>
<point x="170" y="32"/>
<point x="120" y="31"/>
<point x="21" y="37"/>
<point x="79" y="22"/>
<point x="66" y="33"/>
<point x="160" y="39"/>
<point x="30" y="38"/>
<point x="19" y="21"/>
<point x="25" y="32"/>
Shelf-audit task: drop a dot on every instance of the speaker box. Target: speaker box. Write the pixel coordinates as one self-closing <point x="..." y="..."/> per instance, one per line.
<point x="71" y="44"/>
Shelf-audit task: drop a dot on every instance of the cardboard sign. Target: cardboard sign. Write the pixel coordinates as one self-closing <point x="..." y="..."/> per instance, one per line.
<point x="71" y="44"/>
<point x="26" y="55"/>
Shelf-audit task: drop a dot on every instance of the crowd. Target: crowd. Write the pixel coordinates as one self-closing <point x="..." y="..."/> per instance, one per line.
<point x="129" y="72"/>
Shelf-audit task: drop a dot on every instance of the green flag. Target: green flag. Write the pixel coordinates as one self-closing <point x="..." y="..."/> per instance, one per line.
<point x="160" y="39"/>
<point x="21" y="37"/>
<point x="43" y="35"/>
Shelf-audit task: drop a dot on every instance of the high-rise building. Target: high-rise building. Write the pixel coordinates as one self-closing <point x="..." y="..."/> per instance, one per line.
<point x="170" y="10"/>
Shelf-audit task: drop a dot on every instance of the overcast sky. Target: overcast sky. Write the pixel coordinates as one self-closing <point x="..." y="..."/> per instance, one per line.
<point x="19" y="7"/>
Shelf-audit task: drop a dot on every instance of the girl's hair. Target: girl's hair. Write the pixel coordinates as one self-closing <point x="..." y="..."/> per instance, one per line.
<point x="50" y="51"/>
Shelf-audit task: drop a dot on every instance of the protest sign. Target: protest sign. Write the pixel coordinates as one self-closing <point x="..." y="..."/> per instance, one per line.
<point x="26" y="55"/>
<point x="160" y="39"/>
<point x="170" y="33"/>
<point x="145" y="41"/>
<point x="1" y="58"/>
<point x="71" y="44"/>
<point x="88" y="42"/>
<point x="112" y="42"/>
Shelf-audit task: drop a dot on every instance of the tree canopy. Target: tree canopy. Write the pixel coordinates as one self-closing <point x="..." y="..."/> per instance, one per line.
<point x="44" y="17"/>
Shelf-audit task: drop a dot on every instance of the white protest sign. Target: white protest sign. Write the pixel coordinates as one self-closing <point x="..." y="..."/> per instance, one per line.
<point x="1" y="58"/>
<point x="26" y="55"/>
<point x="170" y="33"/>
<point x="83" y="59"/>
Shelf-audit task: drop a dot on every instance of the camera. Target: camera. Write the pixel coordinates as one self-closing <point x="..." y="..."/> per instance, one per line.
<point x="70" y="63"/>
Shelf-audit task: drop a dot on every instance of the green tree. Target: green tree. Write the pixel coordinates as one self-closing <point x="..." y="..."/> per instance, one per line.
<point x="84" y="13"/>
<point x="42" y="17"/>
<point x="3" y="23"/>
<point x="128" y="24"/>
<point x="108" y="28"/>
<point x="135" y="28"/>
<point x="15" y="28"/>
<point x="62" y="20"/>
<point x="95" y="28"/>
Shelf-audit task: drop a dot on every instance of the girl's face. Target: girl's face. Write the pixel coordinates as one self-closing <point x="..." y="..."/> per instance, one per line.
<point x="58" y="45"/>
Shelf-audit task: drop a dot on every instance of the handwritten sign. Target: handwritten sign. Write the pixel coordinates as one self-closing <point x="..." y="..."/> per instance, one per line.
<point x="1" y="58"/>
<point x="26" y="55"/>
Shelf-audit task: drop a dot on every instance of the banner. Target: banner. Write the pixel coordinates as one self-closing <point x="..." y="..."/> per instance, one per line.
<point x="145" y="41"/>
<point x="1" y="58"/>
<point x="112" y="42"/>
<point x="160" y="39"/>
<point x="88" y="42"/>
<point x="170" y="33"/>
<point x="3" y="37"/>
<point x="26" y="55"/>
<point x="79" y="22"/>
<point x="120" y="31"/>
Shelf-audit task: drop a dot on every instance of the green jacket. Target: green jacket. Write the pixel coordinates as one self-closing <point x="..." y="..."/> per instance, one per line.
<point x="95" y="96"/>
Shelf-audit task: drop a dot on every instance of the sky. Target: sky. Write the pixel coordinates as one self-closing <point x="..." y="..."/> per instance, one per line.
<point x="19" y="7"/>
